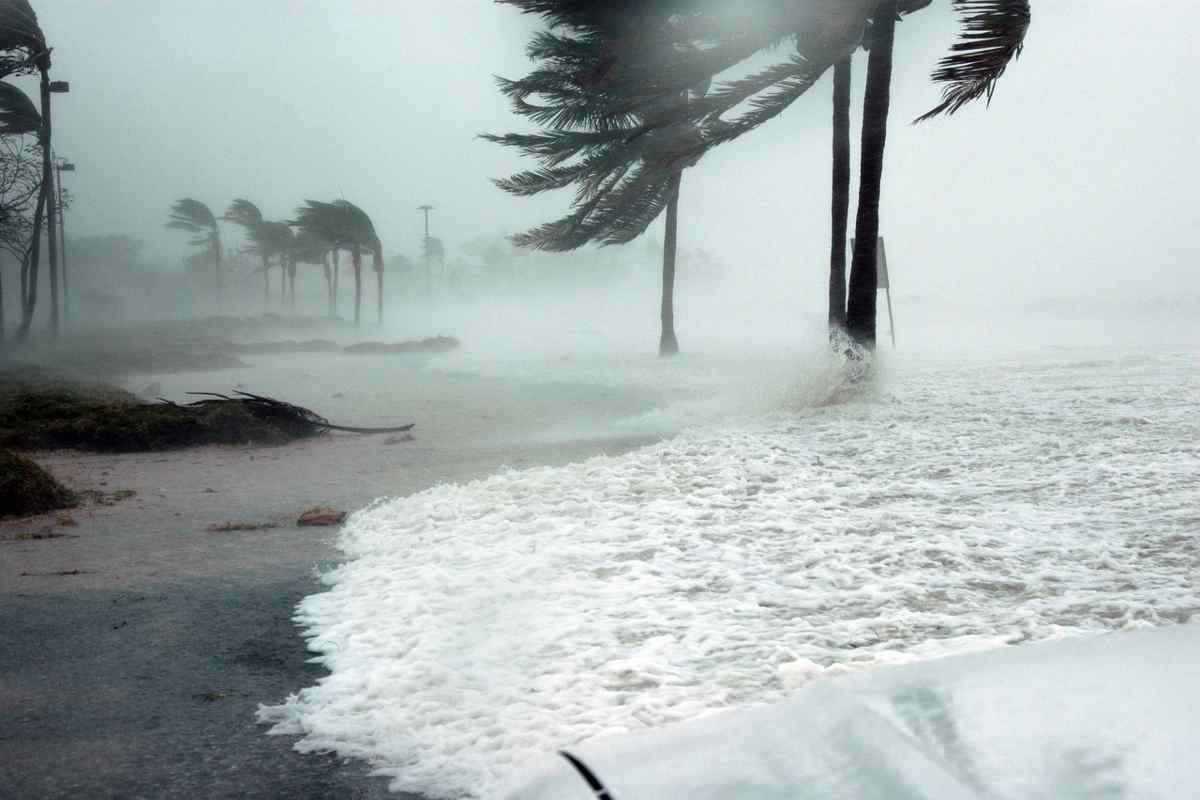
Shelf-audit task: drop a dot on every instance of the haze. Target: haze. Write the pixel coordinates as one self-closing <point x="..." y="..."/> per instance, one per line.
<point x="1074" y="186"/>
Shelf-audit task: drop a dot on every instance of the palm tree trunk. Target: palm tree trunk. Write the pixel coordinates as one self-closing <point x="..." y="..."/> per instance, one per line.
<point x="377" y="263"/>
<point x="860" y="310"/>
<point x="216" y="248"/>
<point x="29" y="270"/>
<point x="337" y="268"/>
<point x="328" y="283"/>
<point x="266" y="270"/>
<point x="356" y="262"/>
<point x="282" y="282"/>
<point x="48" y="187"/>
<point x="292" y="285"/>
<point x="668" y="345"/>
<point x="841" y="195"/>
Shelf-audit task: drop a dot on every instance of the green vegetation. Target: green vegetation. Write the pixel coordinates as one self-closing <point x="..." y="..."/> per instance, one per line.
<point x="50" y="417"/>
<point x="26" y="488"/>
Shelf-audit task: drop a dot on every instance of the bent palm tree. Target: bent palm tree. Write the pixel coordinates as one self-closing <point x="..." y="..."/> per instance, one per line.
<point x="194" y="217"/>
<point x="348" y="227"/>
<point x="244" y="213"/>
<point x="310" y="247"/>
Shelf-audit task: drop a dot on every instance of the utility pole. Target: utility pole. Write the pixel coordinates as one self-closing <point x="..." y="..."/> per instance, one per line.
<point x="428" y="273"/>
<point x="62" y="165"/>
<point x="50" y="87"/>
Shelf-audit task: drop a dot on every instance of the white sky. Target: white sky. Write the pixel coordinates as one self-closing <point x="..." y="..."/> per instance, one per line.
<point x="1080" y="176"/>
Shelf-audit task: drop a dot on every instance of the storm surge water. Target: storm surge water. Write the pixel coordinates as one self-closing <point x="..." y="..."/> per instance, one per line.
<point x="794" y="529"/>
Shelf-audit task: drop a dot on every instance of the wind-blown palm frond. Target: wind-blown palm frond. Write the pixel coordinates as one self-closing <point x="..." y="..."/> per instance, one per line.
<point x="18" y="114"/>
<point x="22" y="43"/>
<point x="194" y="217"/>
<point x="244" y="213"/>
<point x="993" y="34"/>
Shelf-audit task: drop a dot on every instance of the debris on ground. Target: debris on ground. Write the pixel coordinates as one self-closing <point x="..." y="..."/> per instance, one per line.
<point x="26" y="488"/>
<point x="231" y="527"/>
<point x="435" y="344"/>
<point x="321" y="515"/>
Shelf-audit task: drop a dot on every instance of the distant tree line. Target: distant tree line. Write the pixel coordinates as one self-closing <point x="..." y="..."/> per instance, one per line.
<point x="318" y="234"/>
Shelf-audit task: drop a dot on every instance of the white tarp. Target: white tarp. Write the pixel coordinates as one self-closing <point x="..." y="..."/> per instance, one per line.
<point x="1114" y="716"/>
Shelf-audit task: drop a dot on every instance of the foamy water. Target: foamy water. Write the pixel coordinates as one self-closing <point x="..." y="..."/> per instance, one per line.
<point x="952" y="507"/>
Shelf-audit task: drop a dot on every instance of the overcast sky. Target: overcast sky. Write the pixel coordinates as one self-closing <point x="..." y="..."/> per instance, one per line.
<point x="1082" y="172"/>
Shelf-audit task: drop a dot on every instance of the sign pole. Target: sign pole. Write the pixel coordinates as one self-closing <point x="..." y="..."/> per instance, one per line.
<point x="887" y="287"/>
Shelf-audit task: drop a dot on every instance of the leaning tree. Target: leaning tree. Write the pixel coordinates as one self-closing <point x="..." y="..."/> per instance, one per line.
<point x="23" y="50"/>
<point x="194" y="217"/>
<point x="347" y="227"/>
<point x="640" y="73"/>
<point x="20" y="182"/>
<point x="247" y="215"/>
<point x="607" y="159"/>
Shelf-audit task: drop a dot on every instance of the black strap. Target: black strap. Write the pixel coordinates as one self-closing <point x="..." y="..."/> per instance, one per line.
<point x="593" y="782"/>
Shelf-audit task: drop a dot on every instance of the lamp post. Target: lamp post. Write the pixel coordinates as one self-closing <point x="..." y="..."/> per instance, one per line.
<point x="62" y="165"/>
<point x="50" y="87"/>
<point x="428" y="278"/>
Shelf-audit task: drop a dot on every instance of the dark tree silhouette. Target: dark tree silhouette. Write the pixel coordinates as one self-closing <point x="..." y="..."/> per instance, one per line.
<point x="617" y="177"/>
<point x="20" y="183"/>
<point x="645" y="70"/>
<point x="349" y="228"/>
<point x="194" y="217"/>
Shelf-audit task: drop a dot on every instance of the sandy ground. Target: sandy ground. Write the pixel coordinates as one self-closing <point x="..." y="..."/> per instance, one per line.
<point x="136" y="647"/>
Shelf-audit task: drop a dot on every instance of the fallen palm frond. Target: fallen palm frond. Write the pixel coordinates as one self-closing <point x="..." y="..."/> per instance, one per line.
<point x="282" y="411"/>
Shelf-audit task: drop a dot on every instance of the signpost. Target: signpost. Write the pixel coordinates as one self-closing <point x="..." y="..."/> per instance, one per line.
<point x="883" y="282"/>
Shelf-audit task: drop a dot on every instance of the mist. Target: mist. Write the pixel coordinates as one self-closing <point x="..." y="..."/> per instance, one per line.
<point x="393" y="510"/>
<point x="1067" y="195"/>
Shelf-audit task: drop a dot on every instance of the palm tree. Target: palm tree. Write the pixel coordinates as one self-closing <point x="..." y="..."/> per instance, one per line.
<point x="18" y="117"/>
<point x="840" y="195"/>
<point x="638" y="75"/>
<point x="310" y="247"/>
<point x="246" y="214"/>
<point x="348" y="227"/>
<point x="194" y="217"/>
<point x="617" y="165"/>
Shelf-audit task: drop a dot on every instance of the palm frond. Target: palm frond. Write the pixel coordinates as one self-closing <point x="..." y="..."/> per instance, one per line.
<point x="18" y="114"/>
<point x="993" y="34"/>
<point x="22" y="43"/>
<point x="244" y="213"/>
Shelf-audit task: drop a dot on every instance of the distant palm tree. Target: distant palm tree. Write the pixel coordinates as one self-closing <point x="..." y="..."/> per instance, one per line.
<point x="244" y="213"/>
<point x="348" y="227"/>
<point x="310" y="247"/>
<point x="194" y="217"/>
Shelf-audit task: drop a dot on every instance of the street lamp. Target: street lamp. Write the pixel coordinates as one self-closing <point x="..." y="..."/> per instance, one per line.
<point x="62" y="165"/>
<point x="428" y="278"/>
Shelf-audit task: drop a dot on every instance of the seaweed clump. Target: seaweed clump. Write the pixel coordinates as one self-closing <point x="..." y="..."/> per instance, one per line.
<point x="63" y="419"/>
<point x="26" y="488"/>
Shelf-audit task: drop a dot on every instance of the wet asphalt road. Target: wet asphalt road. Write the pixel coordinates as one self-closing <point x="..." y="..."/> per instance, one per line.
<point x="152" y="694"/>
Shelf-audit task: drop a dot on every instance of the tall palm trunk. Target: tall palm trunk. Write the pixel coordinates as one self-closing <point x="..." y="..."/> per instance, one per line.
<point x="841" y="196"/>
<point x="356" y="262"/>
<point x="668" y="345"/>
<point x="48" y="189"/>
<point x="216" y="248"/>
<point x="292" y="285"/>
<point x="377" y="263"/>
<point x="266" y="271"/>
<point x="29" y="270"/>
<point x="328" y="283"/>
<point x="282" y="281"/>
<point x="337" y="268"/>
<point x="860" y="311"/>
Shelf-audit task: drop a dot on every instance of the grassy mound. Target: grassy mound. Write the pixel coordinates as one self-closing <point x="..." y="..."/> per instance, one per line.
<point x="26" y="488"/>
<point x="61" y="418"/>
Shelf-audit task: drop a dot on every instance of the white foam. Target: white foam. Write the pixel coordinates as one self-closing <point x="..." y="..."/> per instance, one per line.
<point x="476" y="627"/>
